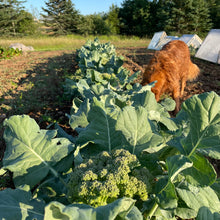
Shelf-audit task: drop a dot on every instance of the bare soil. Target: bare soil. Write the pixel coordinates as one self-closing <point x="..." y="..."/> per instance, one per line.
<point x="32" y="84"/>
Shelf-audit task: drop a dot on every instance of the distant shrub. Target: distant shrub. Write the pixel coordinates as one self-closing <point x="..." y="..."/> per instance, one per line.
<point x="8" y="53"/>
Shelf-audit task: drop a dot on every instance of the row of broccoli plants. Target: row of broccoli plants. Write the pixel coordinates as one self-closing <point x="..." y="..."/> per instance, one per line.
<point x="8" y="53"/>
<point x="130" y="160"/>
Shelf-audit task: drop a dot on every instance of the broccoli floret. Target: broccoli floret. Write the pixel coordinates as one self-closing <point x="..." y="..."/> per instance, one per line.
<point x="107" y="177"/>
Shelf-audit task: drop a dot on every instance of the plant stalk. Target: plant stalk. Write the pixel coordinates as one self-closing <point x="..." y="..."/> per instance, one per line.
<point x="152" y="211"/>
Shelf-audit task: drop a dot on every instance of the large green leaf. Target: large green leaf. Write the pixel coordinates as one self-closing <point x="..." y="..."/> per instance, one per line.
<point x="155" y="110"/>
<point x="197" y="197"/>
<point x="136" y="129"/>
<point x="216" y="187"/>
<point x="80" y="117"/>
<point x="176" y="164"/>
<point x="18" y="205"/>
<point x="165" y="189"/>
<point x="204" y="214"/>
<point x="52" y="190"/>
<point x="101" y="129"/>
<point x="31" y="153"/>
<point x="202" y="173"/>
<point x="166" y="197"/>
<point x="204" y="120"/>
<point x="120" y="209"/>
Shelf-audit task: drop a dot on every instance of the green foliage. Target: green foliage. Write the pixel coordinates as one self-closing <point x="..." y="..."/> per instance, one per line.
<point x="139" y="17"/>
<point x="134" y="17"/>
<point x="99" y="57"/>
<point x="120" y="209"/>
<point x="214" y="6"/>
<point x="8" y="53"/>
<point x="190" y="16"/>
<point x="26" y="25"/>
<point x="93" y="24"/>
<point x="18" y="204"/>
<point x="99" y="64"/>
<point x="40" y="149"/>
<point x="113" y="20"/>
<point x="107" y="177"/>
<point x="13" y="18"/>
<point x="61" y="17"/>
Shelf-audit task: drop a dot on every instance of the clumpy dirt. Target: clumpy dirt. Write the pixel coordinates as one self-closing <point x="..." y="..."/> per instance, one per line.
<point x="32" y="84"/>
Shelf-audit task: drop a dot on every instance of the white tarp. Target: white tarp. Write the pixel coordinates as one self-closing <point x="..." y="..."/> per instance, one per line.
<point x="160" y="39"/>
<point x="192" y="40"/>
<point x="210" y="48"/>
<point x="158" y="36"/>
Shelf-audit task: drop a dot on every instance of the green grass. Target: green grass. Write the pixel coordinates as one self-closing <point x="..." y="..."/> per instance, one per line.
<point x="72" y="42"/>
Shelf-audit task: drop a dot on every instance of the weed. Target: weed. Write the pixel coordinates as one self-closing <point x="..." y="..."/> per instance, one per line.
<point x="8" y="53"/>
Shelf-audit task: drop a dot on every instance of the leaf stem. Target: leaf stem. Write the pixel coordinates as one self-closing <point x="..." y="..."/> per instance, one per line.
<point x="152" y="211"/>
<point x="58" y="176"/>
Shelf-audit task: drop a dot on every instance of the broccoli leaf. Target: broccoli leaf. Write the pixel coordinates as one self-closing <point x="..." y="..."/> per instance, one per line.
<point x="166" y="195"/>
<point x="101" y="128"/>
<point x="19" y="205"/>
<point x="31" y="153"/>
<point x="176" y="164"/>
<point x="204" y="120"/>
<point x="136" y="129"/>
<point x="201" y="173"/>
<point x="80" y="117"/>
<point x="197" y="197"/>
<point x="204" y="214"/>
<point x="120" y="209"/>
<point x="156" y="111"/>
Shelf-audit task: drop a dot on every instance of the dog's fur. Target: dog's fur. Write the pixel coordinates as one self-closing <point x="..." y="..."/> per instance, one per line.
<point x="171" y="67"/>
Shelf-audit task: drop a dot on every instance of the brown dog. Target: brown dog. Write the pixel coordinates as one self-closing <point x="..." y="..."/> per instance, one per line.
<point x="171" y="68"/>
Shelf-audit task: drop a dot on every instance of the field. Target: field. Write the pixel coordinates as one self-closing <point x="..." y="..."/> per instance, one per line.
<point x="32" y="83"/>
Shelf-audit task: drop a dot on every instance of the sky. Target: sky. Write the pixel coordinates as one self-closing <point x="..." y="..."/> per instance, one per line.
<point x="85" y="7"/>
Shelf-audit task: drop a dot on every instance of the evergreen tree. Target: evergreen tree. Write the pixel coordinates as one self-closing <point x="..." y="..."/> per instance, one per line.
<point x="160" y="13"/>
<point x="10" y="16"/>
<point x="214" y="7"/>
<point x="61" y="16"/>
<point x="112" y="19"/>
<point x="134" y="17"/>
<point x="189" y="16"/>
<point x="203" y="23"/>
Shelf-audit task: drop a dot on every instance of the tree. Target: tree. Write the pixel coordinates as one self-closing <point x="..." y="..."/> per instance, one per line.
<point x="61" y="16"/>
<point x="160" y="13"/>
<point x="10" y="16"/>
<point x="112" y="19"/>
<point x="134" y="17"/>
<point x="214" y="6"/>
<point x="189" y="16"/>
<point x="27" y="25"/>
<point x="93" y="24"/>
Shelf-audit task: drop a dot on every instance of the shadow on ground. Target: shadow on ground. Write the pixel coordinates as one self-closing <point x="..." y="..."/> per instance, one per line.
<point x="32" y="84"/>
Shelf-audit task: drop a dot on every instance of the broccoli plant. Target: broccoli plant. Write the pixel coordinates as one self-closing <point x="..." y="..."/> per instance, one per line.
<point x="107" y="177"/>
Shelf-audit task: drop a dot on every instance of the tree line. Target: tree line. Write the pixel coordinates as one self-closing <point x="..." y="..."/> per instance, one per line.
<point x="134" y="17"/>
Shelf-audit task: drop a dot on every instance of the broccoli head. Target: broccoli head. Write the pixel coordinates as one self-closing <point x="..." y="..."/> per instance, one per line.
<point x="107" y="177"/>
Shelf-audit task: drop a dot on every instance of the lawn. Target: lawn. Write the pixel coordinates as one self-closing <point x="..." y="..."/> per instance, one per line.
<point x="72" y="42"/>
